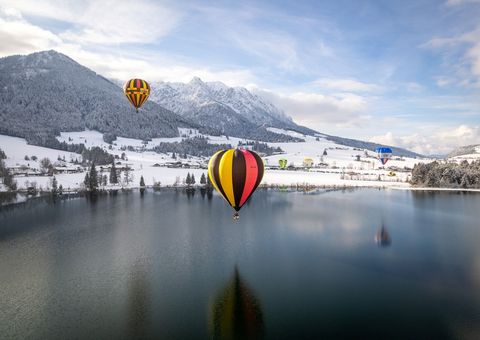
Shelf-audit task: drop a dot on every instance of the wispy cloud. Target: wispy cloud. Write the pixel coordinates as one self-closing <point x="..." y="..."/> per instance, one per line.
<point x="346" y="85"/>
<point x="106" y="21"/>
<point x="19" y="36"/>
<point x="467" y="44"/>
<point x="461" y="2"/>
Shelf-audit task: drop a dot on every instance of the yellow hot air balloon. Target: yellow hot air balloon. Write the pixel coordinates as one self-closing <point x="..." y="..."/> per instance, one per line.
<point x="137" y="92"/>
<point x="235" y="173"/>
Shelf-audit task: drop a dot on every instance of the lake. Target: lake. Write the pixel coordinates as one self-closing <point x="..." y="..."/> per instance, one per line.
<point x="296" y="265"/>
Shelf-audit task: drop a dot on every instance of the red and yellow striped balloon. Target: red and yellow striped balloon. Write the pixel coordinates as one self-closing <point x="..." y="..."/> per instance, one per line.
<point x="137" y="92"/>
<point x="235" y="174"/>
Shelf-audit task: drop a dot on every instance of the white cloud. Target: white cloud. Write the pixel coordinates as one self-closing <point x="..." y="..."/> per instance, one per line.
<point x="442" y="81"/>
<point x="152" y="67"/>
<point x="347" y="85"/>
<point x="441" y="142"/>
<point x="316" y="110"/>
<point x="106" y="21"/>
<point x="461" y="2"/>
<point x="467" y="71"/>
<point x="17" y="36"/>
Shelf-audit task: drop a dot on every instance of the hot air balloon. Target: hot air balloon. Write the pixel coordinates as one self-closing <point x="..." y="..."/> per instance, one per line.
<point x="384" y="154"/>
<point x="235" y="174"/>
<point x="307" y="162"/>
<point x="282" y="163"/>
<point x="137" y="92"/>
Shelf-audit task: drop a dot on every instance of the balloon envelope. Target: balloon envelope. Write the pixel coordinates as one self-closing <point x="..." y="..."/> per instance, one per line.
<point x="384" y="154"/>
<point x="235" y="174"/>
<point x="137" y="92"/>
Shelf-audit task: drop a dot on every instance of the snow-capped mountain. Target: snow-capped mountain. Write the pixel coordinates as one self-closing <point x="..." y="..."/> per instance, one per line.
<point x="47" y="92"/>
<point x="190" y="100"/>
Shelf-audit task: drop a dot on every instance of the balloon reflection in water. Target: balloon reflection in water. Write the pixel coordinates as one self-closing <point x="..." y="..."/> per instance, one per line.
<point x="236" y="312"/>
<point x="382" y="237"/>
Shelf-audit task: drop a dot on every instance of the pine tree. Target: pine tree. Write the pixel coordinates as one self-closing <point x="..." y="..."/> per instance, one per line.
<point x="8" y="179"/>
<point x="51" y="170"/>
<point x="93" y="178"/>
<point x="209" y="183"/>
<point x="203" y="180"/>
<point x="113" y="174"/>
<point x="465" y="182"/>
<point x="54" y="186"/>
<point x="86" y="181"/>
<point x="45" y="164"/>
<point x="188" y="180"/>
<point x="174" y="156"/>
<point x="142" y="185"/>
<point x="128" y="177"/>
<point x="192" y="180"/>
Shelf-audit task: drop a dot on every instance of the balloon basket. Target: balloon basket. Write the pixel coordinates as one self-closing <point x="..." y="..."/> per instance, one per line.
<point x="236" y="216"/>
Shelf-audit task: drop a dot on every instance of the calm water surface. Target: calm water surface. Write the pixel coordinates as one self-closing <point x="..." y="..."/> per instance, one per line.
<point x="294" y="266"/>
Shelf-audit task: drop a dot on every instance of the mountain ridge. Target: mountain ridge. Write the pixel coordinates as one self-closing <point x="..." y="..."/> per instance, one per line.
<point x="47" y="92"/>
<point x="189" y="100"/>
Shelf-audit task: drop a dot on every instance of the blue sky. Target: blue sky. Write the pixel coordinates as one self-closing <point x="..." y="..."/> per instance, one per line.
<point x="405" y="73"/>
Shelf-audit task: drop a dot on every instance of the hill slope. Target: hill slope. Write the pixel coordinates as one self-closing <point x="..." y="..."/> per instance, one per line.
<point x="465" y="150"/>
<point x="47" y="92"/>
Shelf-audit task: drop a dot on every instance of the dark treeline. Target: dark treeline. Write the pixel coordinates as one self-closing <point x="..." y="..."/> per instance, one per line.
<point x="94" y="154"/>
<point x="196" y="146"/>
<point x="97" y="155"/>
<point x="109" y="137"/>
<point x="447" y="175"/>
<point x="261" y="147"/>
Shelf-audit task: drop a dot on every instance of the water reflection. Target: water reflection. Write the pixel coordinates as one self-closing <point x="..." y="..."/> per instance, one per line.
<point x="382" y="237"/>
<point x="190" y="192"/>
<point x="139" y="299"/>
<point x="236" y="312"/>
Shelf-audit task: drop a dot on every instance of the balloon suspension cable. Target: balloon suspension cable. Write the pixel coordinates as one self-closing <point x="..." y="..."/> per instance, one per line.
<point x="236" y="216"/>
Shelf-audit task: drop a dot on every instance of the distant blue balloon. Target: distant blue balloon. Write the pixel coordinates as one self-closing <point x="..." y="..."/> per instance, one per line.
<point x="384" y="154"/>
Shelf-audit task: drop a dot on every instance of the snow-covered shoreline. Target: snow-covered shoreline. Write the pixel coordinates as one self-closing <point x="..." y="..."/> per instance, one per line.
<point x="412" y="188"/>
<point x="338" y="165"/>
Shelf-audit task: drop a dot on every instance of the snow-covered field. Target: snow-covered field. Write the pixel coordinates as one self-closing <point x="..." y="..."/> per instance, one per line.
<point x="343" y="167"/>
